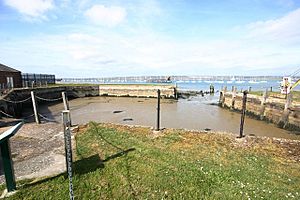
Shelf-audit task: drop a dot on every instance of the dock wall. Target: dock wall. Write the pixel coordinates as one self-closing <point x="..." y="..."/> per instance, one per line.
<point x="283" y="112"/>
<point x="17" y="95"/>
<point x="167" y="91"/>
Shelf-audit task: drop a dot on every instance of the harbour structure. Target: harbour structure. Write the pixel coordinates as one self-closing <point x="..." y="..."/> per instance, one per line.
<point x="188" y="79"/>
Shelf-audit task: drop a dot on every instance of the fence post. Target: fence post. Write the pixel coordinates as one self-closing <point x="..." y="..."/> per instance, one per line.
<point x="158" y="111"/>
<point x="65" y="100"/>
<point x="68" y="149"/>
<point x="286" y="111"/>
<point x="66" y="105"/>
<point x="263" y="104"/>
<point x="243" y="113"/>
<point x="35" y="109"/>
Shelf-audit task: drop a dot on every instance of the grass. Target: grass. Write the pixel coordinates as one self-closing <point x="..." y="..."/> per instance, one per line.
<point x="120" y="162"/>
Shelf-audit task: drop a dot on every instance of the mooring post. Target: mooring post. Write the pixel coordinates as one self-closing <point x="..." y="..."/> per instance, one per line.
<point x="263" y="104"/>
<point x="223" y="97"/>
<point x="271" y="89"/>
<point x="243" y="113"/>
<point x="158" y="111"/>
<point x="35" y="109"/>
<point x="233" y="98"/>
<point x="249" y="89"/>
<point x="225" y="89"/>
<point x="68" y="149"/>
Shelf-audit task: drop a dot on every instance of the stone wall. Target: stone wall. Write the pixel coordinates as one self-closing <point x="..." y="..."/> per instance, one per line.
<point x="20" y="94"/>
<point x="283" y="112"/>
<point x="167" y="91"/>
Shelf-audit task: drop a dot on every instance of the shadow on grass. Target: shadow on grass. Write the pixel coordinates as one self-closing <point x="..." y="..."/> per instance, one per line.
<point x="80" y="167"/>
<point x="92" y="163"/>
<point x="118" y="154"/>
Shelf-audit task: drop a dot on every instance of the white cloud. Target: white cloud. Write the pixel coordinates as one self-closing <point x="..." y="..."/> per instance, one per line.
<point x="284" y="29"/>
<point x="106" y="16"/>
<point x="31" y="8"/>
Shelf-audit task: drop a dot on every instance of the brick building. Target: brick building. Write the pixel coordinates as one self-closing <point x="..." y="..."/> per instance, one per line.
<point x="9" y="77"/>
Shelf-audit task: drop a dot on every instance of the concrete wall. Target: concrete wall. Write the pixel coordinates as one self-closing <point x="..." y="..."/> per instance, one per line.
<point x="283" y="112"/>
<point x="167" y="91"/>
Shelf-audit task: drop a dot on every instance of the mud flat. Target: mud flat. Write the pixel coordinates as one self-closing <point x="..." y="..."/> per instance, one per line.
<point x="195" y="113"/>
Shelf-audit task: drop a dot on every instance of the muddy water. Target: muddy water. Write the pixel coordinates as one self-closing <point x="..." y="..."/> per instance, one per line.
<point x="195" y="113"/>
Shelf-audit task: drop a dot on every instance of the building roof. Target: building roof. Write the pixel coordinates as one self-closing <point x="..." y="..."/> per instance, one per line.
<point x="4" y="68"/>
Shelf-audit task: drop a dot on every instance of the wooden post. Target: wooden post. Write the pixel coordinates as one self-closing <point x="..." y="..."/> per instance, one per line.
<point x="224" y="93"/>
<point x="232" y="88"/>
<point x="263" y="105"/>
<point x="35" y="109"/>
<point x="286" y="111"/>
<point x="225" y="89"/>
<point x="233" y="98"/>
<point x="271" y="89"/>
<point x="249" y="89"/>
<point x="158" y="111"/>
<point x="243" y="114"/>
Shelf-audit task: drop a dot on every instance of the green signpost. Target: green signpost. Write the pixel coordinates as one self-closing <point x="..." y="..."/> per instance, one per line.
<point x="6" y="156"/>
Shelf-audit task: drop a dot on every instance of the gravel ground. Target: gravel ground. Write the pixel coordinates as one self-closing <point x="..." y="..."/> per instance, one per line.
<point x="37" y="151"/>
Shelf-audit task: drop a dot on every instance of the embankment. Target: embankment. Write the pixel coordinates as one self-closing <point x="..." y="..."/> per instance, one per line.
<point x="283" y="112"/>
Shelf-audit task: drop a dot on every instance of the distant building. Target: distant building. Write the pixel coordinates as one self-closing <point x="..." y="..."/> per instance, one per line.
<point x="9" y="77"/>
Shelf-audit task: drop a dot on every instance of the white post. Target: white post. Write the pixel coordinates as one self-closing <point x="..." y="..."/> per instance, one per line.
<point x="35" y="110"/>
<point x="66" y="105"/>
<point x="65" y="100"/>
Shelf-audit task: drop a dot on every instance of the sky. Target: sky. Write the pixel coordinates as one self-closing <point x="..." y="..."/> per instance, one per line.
<point x="83" y="38"/>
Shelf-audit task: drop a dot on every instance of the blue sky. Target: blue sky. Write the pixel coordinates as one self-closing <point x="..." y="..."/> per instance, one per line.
<point x="83" y="38"/>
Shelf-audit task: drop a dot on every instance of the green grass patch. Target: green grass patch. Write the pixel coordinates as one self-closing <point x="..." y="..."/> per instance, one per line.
<point x="119" y="162"/>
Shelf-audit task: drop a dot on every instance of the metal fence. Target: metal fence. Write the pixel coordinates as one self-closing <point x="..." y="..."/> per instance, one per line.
<point x="32" y="80"/>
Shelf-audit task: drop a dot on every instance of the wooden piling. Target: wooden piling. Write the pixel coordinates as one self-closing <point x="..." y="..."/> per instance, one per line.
<point x="233" y="98"/>
<point x="286" y="111"/>
<point x="263" y="105"/>
<point x="35" y="109"/>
